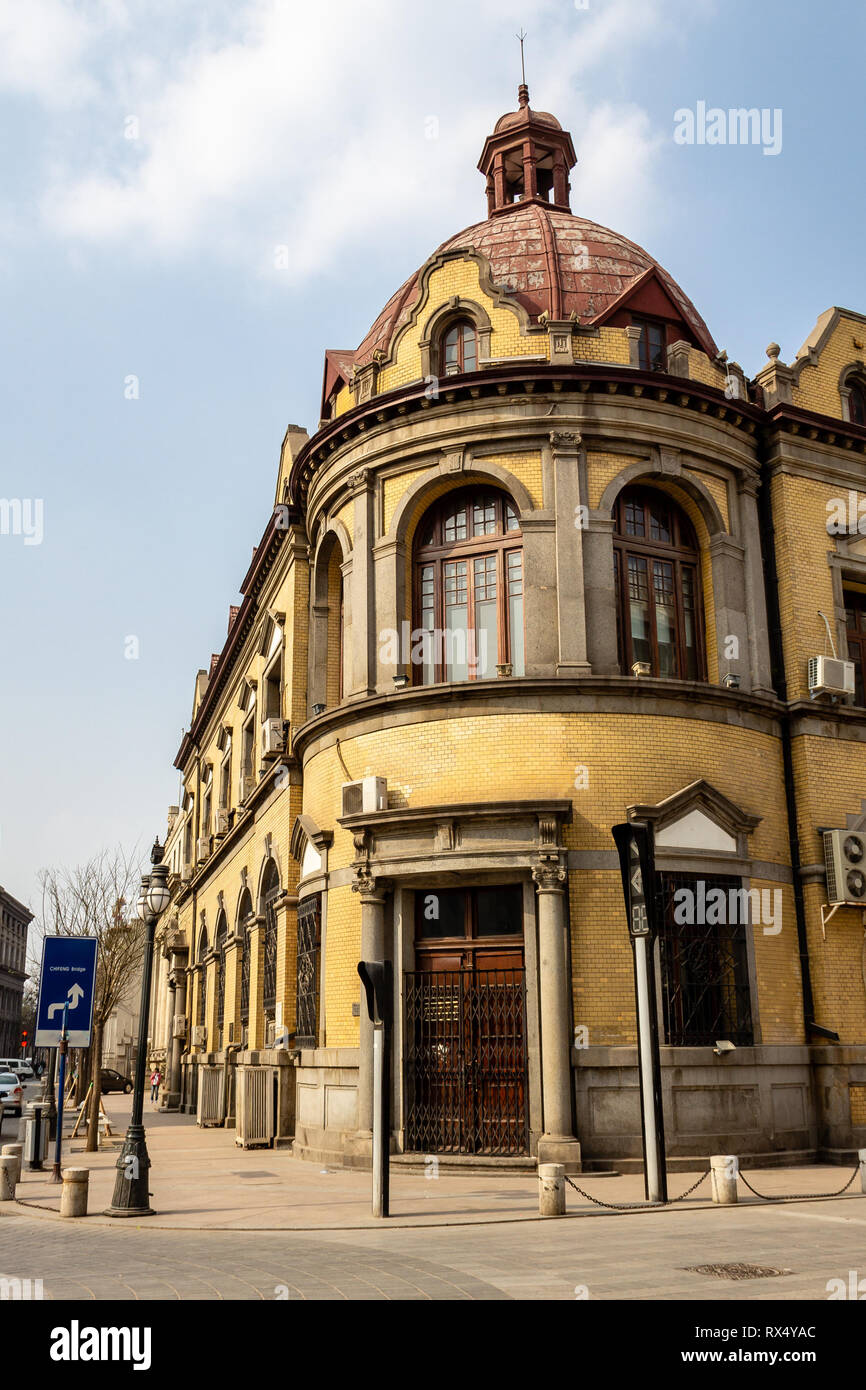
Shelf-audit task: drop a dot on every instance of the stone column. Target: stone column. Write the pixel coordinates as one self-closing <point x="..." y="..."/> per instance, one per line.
<point x="756" y="603"/>
<point x="539" y="559"/>
<point x="393" y="613"/>
<point x="361" y="633"/>
<point x="558" y="1143"/>
<point x="169" y="1035"/>
<point x="570" y="527"/>
<point x="600" y="594"/>
<point x="172" y="1092"/>
<point x="373" y="893"/>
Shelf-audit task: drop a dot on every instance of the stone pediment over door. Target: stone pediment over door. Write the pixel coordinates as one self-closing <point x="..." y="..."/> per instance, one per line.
<point x="698" y="821"/>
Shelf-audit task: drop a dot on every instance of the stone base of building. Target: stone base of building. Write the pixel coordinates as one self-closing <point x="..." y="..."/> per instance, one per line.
<point x="767" y="1104"/>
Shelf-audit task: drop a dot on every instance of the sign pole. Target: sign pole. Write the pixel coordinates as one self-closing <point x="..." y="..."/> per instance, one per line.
<point x="58" y="1142"/>
<point x="377" y="978"/>
<point x="635" y="843"/>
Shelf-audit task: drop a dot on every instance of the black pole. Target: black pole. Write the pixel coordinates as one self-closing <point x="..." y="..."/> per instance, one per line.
<point x="131" y="1187"/>
<point x="63" y="1049"/>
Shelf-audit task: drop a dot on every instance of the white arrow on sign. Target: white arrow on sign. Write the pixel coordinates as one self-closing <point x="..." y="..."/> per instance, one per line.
<point x="75" y="994"/>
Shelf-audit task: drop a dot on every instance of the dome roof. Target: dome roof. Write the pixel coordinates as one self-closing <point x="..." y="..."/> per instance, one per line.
<point x="551" y="262"/>
<point x="523" y="116"/>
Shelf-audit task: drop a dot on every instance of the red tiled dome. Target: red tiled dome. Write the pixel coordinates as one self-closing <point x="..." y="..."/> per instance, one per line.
<point x="550" y="261"/>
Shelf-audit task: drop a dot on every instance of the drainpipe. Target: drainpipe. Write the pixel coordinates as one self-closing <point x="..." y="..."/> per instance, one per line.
<point x="780" y="685"/>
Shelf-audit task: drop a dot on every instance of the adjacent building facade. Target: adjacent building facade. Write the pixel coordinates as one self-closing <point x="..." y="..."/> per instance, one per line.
<point x="549" y="561"/>
<point x="15" y="918"/>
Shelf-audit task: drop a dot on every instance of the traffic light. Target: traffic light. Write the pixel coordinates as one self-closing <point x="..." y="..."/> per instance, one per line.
<point x="24" y="1039"/>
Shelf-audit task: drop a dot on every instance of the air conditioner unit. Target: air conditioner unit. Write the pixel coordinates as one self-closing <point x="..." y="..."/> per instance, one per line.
<point x="221" y="822"/>
<point x="199" y="1035"/>
<point x="273" y="737"/>
<point x="202" y="849"/>
<point x="255" y="1106"/>
<point x="370" y="794"/>
<point x="186" y="873"/>
<point x="248" y="782"/>
<point x="178" y="1027"/>
<point x="211" y="1107"/>
<point x="271" y="1034"/>
<point x="845" y="861"/>
<point x="829" y="676"/>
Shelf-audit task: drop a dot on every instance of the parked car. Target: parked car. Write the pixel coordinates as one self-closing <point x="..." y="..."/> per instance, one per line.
<point x="24" y="1069"/>
<point x="11" y="1093"/>
<point x="113" y="1081"/>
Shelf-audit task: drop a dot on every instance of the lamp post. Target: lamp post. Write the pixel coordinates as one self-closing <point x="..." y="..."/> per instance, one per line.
<point x="131" y="1194"/>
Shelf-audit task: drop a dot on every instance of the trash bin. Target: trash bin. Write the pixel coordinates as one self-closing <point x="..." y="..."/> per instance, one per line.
<point x="36" y="1135"/>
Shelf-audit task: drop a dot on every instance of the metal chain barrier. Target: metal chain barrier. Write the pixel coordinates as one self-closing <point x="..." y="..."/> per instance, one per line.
<point x="635" y="1206"/>
<point x="644" y="1206"/>
<point x="797" y="1196"/>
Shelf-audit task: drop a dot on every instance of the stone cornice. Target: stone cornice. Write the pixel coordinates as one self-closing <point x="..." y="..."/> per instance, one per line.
<point x="563" y="694"/>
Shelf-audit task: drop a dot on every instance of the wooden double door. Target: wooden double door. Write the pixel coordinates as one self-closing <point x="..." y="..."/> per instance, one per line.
<point x="466" y="1024"/>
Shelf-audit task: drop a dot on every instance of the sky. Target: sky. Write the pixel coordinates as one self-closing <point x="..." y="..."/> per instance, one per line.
<point x="197" y="199"/>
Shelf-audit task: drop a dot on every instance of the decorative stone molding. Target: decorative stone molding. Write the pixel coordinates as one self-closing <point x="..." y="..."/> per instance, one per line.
<point x="561" y="342"/>
<point x="565" y="441"/>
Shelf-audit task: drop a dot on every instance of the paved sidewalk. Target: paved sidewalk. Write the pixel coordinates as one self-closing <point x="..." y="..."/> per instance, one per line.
<point x="200" y="1180"/>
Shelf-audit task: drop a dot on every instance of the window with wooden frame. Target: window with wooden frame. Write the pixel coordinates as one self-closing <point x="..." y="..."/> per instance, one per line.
<point x="658" y="587"/>
<point x="652" y="344"/>
<point x="245" y="912"/>
<point x="272" y="689"/>
<point x="855" y="631"/>
<point x="856" y="403"/>
<point x="459" y="351"/>
<point x="221" y="936"/>
<point x="468" y="588"/>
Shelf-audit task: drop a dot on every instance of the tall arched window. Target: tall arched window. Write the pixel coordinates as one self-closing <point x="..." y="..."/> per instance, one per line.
<point x="270" y="893"/>
<point x="245" y="911"/>
<point x="468" y="579"/>
<point x="459" y="348"/>
<point x="658" y="587"/>
<point x="221" y="934"/>
<point x="857" y="402"/>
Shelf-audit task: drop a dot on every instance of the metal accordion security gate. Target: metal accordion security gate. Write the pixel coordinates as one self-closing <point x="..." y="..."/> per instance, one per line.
<point x="466" y="1063"/>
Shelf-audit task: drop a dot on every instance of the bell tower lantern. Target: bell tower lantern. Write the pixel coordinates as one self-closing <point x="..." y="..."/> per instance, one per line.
<point x="527" y="159"/>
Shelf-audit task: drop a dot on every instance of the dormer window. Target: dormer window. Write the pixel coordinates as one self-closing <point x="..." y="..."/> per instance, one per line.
<point x="652" y="350"/>
<point x="459" y="348"/>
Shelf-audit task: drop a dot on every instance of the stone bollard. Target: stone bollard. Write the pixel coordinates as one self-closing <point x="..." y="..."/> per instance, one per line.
<point x="73" y="1195"/>
<point x="723" y="1175"/>
<point x="14" y="1151"/>
<point x="8" y="1169"/>
<point x="861" y="1154"/>
<point x="551" y="1189"/>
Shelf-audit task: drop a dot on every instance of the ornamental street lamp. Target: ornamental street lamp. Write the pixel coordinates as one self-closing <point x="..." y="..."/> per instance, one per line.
<point x="131" y="1194"/>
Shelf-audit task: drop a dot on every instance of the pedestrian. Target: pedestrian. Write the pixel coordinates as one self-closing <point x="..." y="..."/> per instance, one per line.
<point x="155" y="1082"/>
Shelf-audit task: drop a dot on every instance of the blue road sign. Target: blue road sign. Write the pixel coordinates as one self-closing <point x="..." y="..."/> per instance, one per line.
<point x="68" y="977"/>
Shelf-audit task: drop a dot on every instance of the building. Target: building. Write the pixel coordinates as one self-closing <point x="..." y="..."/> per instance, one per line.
<point x="548" y="561"/>
<point x="14" y="921"/>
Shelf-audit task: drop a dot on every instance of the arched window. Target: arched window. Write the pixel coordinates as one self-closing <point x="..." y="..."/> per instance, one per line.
<point x="245" y="911"/>
<point x="459" y="348"/>
<point x="658" y="588"/>
<point x="857" y="402"/>
<point x="270" y="892"/>
<point x="221" y="934"/>
<point x="468" y="578"/>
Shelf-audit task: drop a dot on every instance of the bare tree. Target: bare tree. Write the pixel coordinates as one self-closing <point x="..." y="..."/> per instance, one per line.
<point x="98" y="899"/>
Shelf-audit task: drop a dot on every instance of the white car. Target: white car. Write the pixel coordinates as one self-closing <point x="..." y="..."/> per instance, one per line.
<point x="11" y="1093"/>
<point x="22" y="1069"/>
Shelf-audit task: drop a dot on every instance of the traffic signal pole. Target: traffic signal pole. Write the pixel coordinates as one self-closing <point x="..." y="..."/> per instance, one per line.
<point x="635" y="843"/>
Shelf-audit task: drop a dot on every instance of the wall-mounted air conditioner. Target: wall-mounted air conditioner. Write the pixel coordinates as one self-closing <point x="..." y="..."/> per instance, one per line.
<point x="186" y="873"/>
<point x="830" y="676"/>
<point x="274" y="733"/>
<point x="202" y="849"/>
<point x="221" y="823"/>
<point x="199" y="1035"/>
<point x="178" y="1027"/>
<point x="845" y="861"/>
<point x="370" y="794"/>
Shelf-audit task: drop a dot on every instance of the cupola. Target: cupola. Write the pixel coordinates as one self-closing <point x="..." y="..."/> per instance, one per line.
<point x="527" y="159"/>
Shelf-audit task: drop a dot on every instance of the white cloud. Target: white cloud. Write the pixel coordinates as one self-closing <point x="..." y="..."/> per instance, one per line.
<point x="303" y="126"/>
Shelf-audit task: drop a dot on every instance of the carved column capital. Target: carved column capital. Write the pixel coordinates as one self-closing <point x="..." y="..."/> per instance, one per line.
<point x="549" y="873"/>
<point x="565" y="441"/>
<point x="371" y="888"/>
